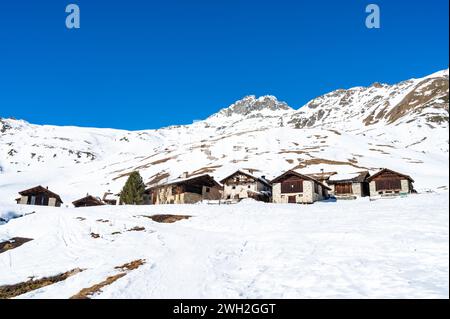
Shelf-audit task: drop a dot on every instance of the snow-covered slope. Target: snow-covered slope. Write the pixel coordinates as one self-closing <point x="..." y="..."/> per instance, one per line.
<point x="347" y="249"/>
<point x="402" y="126"/>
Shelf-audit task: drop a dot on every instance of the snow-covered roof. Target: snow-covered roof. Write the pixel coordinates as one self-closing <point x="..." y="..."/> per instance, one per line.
<point x="355" y="177"/>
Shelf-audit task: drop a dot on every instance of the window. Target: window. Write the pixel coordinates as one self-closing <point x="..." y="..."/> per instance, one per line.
<point x="249" y="186"/>
<point x="316" y="188"/>
<point x="207" y="189"/>
<point x="234" y="187"/>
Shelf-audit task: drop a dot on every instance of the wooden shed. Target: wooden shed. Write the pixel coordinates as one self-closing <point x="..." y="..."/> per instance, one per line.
<point x="186" y="190"/>
<point x="387" y="182"/>
<point x="350" y="185"/>
<point x="242" y="184"/>
<point x="41" y="196"/>
<point x="88" y="201"/>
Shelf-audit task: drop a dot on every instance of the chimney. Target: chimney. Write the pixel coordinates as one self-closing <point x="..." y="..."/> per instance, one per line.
<point x="263" y="177"/>
<point x="184" y="175"/>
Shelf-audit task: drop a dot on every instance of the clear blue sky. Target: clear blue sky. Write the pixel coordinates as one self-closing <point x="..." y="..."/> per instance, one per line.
<point x="139" y="64"/>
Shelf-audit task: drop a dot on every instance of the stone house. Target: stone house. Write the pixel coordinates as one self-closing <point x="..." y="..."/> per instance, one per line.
<point x="40" y="196"/>
<point x="185" y="190"/>
<point x="390" y="183"/>
<point x="242" y="184"/>
<point x="296" y="188"/>
<point x="353" y="185"/>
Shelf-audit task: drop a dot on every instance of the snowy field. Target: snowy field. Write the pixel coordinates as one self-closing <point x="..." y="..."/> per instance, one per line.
<point x="392" y="248"/>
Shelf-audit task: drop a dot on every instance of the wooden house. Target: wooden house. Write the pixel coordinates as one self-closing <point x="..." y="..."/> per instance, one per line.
<point x="353" y="185"/>
<point x="41" y="196"/>
<point x="295" y="188"/>
<point x="185" y="190"/>
<point x="88" y="201"/>
<point x="390" y="183"/>
<point x="242" y="184"/>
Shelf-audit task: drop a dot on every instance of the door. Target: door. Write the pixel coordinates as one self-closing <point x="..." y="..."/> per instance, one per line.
<point x="292" y="200"/>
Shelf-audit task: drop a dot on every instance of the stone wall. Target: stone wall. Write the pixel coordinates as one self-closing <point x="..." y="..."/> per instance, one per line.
<point x="24" y="200"/>
<point x="357" y="189"/>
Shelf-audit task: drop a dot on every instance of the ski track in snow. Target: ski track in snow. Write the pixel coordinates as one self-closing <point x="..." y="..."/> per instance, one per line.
<point x="394" y="248"/>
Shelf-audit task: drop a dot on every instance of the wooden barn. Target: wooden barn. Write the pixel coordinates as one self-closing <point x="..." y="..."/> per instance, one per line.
<point x="185" y="190"/>
<point x="242" y="184"/>
<point x="296" y="188"/>
<point x="350" y="186"/>
<point x="40" y="196"/>
<point x="387" y="182"/>
<point x="88" y="201"/>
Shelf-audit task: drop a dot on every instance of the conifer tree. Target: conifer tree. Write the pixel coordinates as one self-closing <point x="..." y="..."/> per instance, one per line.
<point x="133" y="191"/>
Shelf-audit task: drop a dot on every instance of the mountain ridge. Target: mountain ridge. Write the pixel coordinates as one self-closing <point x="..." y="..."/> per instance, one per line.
<point x="403" y="126"/>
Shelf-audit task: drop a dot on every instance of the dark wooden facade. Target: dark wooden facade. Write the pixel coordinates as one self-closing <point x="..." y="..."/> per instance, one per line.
<point x="40" y="196"/>
<point x="389" y="181"/>
<point x="88" y="201"/>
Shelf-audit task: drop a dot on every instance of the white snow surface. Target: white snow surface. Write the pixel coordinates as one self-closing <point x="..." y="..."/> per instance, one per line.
<point x="392" y="248"/>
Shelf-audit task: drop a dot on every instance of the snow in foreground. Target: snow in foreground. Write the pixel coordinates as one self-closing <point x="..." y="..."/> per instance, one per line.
<point x="396" y="248"/>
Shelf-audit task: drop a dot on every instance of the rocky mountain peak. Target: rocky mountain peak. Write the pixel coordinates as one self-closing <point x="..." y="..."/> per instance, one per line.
<point x="252" y="104"/>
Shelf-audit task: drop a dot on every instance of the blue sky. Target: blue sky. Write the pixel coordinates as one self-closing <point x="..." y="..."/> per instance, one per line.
<point x="139" y="64"/>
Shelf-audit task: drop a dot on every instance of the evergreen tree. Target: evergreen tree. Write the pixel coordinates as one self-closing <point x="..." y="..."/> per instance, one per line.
<point x="133" y="191"/>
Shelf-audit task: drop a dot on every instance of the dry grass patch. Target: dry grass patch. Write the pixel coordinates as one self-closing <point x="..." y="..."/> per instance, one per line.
<point x="86" y="293"/>
<point x="135" y="264"/>
<point x="11" y="291"/>
<point x="13" y="243"/>
<point x="167" y="219"/>
<point x="137" y="228"/>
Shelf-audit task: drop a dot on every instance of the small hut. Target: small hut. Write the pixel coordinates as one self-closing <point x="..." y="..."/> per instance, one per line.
<point x="40" y="196"/>
<point x="88" y="201"/>
<point x="352" y="185"/>
<point x="296" y="188"/>
<point x="186" y="190"/>
<point x="387" y="182"/>
<point x="243" y="184"/>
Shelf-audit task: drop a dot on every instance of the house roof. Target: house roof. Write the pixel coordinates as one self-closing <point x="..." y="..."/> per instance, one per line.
<point x="323" y="176"/>
<point x="40" y="189"/>
<point x="88" y="198"/>
<point x="240" y="171"/>
<point x="386" y="170"/>
<point x="291" y="172"/>
<point x="356" y="177"/>
<point x="205" y="179"/>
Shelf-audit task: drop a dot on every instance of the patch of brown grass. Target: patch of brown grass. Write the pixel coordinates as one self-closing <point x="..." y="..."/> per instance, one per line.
<point x="137" y="228"/>
<point x="135" y="264"/>
<point x="13" y="243"/>
<point x="167" y="219"/>
<point x="11" y="291"/>
<point x="86" y="293"/>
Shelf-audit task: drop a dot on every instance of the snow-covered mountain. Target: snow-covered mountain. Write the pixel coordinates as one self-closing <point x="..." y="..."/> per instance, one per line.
<point x="403" y="126"/>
